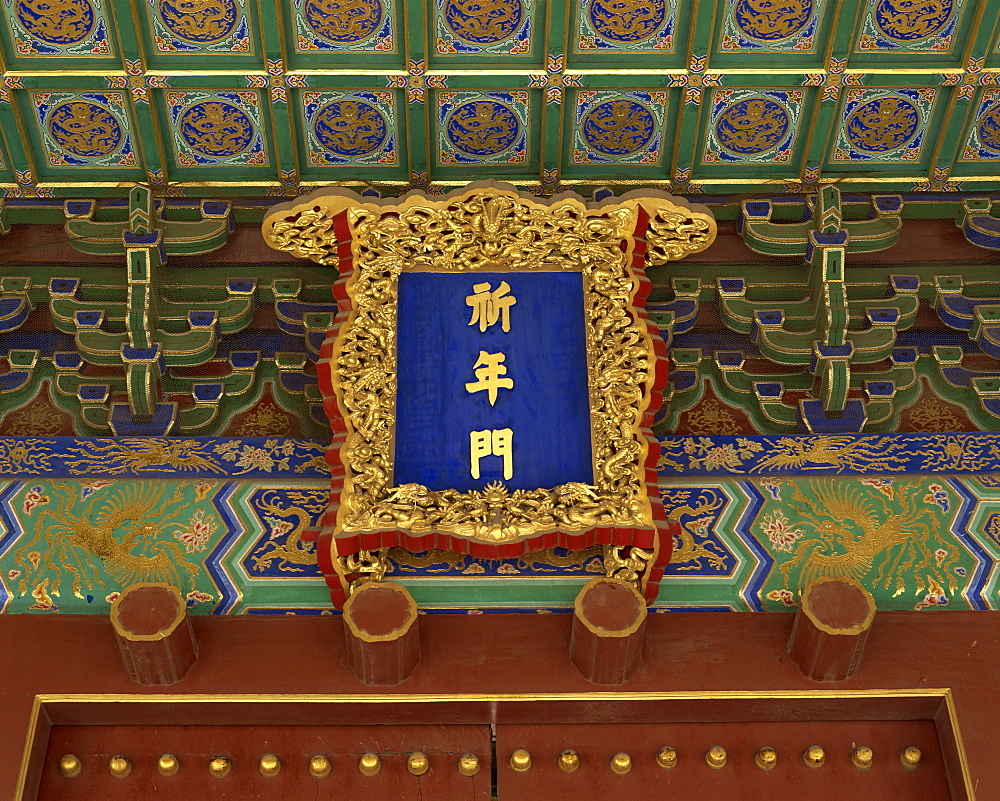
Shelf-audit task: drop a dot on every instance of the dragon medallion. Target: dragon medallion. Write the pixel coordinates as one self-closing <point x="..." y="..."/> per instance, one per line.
<point x="85" y="129"/>
<point x="752" y="126"/>
<point x="627" y="20"/>
<point x="618" y="127"/>
<point x="989" y="128"/>
<point x="344" y="21"/>
<point x="59" y="22"/>
<point x="216" y="129"/>
<point x="771" y="20"/>
<point x="350" y="128"/>
<point x="483" y="22"/>
<point x="199" y="21"/>
<point x="482" y="127"/>
<point x="882" y="124"/>
<point x="905" y="20"/>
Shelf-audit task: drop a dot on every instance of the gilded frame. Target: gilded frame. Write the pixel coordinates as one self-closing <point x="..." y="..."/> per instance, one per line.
<point x="490" y="227"/>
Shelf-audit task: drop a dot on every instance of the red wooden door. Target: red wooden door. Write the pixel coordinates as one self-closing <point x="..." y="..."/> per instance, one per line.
<point x="243" y="746"/>
<point x="740" y="779"/>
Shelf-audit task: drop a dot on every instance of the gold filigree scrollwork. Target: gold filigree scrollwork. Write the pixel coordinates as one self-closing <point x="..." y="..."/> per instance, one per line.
<point x="675" y="233"/>
<point x="367" y="565"/>
<point x="626" y="563"/>
<point x="493" y="228"/>
<point x="307" y="234"/>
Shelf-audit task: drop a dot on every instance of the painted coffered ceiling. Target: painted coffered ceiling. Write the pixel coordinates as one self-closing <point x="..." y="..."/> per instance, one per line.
<point x="253" y="97"/>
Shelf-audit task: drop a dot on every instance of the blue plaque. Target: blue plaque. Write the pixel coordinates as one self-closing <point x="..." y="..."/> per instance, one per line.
<point x="546" y="407"/>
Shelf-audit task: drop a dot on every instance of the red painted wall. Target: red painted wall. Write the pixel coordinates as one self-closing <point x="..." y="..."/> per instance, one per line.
<point x="511" y="654"/>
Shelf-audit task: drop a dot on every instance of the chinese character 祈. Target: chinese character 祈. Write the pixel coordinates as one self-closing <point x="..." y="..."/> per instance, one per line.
<point x="498" y="442"/>
<point x="488" y="307"/>
<point x="488" y="375"/>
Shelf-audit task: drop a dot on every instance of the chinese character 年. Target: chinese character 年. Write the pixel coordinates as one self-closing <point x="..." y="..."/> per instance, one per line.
<point x="489" y="375"/>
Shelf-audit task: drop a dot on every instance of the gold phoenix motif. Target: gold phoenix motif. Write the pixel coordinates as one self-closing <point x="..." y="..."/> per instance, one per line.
<point x="488" y="227"/>
<point x="849" y="533"/>
<point x="122" y="533"/>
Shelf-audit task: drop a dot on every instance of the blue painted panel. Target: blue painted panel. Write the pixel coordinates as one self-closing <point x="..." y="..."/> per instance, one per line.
<point x="680" y="456"/>
<point x="545" y="355"/>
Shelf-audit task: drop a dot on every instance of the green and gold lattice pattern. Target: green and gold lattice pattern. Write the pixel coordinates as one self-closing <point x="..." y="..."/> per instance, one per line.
<point x="240" y="97"/>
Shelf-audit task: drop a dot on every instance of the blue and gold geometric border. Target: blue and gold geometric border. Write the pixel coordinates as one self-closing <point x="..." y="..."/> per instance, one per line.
<point x="201" y="457"/>
<point x="915" y="517"/>
<point x="826" y="454"/>
<point x="680" y="456"/>
<point x="745" y="544"/>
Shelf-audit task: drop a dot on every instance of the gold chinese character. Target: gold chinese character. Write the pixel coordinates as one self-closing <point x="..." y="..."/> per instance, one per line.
<point x="488" y="307"/>
<point x="488" y="375"/>
<point x="498" y="442"/>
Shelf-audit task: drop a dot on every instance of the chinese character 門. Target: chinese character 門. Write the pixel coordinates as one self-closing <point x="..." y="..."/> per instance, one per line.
<point x="495" y="442"/>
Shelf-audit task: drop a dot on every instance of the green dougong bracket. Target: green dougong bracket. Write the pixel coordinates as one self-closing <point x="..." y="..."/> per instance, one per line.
<point x="979" y="225"/>
<point x="144" y="336"/>
<point x="785" y="331"/>
<point x="15" y="303"/>
<point x="825" y="214"/>
<point x="19" y="383"/>
<point x="978" y="391"/>
<point x="146" y="318"/>
<point x="196" y="229"/>
<point x="825" y="334"/>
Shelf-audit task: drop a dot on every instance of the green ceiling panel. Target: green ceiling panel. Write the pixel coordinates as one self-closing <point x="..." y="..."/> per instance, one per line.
<point x="319" y="34"/>
<point x="244" y="97"/>
<point x="486" y="131"/>
<point x="788" y="35"/>
<point x="74" y="132"/>
<point x="621" y="130"/>
<point x="759" y="129"/>
<point x="496" y="33"/>
<point x="360" y="128"/>
<point x="934" y="32"/>
<point x="603" y="33"/>
<point x="981" y="136"/>
<point x="217" y="131"/>
<point x="884" y="129"/>
<point x="73" y="34"/>
<point x="218" y="35"/>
